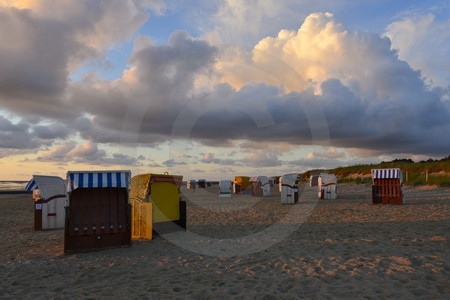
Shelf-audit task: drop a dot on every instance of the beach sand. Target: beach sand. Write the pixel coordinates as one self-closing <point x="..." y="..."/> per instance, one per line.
<point x="247" y="247"/>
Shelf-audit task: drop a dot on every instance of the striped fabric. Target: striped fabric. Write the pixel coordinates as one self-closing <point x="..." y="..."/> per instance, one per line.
<point x="31" y="185"/>
<point x="386" y="173"/>
<point x="95" y="179"/>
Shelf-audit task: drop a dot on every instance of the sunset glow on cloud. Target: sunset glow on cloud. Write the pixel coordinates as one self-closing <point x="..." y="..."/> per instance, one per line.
<point x="233" y="91"/>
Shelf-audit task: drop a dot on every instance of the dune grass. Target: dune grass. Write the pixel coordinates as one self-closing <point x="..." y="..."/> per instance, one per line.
<point x="414" y="173"/>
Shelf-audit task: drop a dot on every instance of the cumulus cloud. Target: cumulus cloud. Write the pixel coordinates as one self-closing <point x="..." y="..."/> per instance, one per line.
<point x="173" y="163"/>
<point x="244" y="23"/>
<point x="41" y="46"/>
<point x="209" y="158"/>
<point x="88" y="153"/>
<point x="58" y="153"/>
<point x="23" y="135"/>
<point x="424" y="42"/>
<point x="349" y="86"/>
<point x="315" y="163"/>
<point x="231" y="21"/>
<point x="321" y="84"/>
<point x="328" y="153"/>
<point x="51" y="131"/>
<point x="154" y="165"/>
<point x="262" y="159"/>
<point x="144" y="108"/>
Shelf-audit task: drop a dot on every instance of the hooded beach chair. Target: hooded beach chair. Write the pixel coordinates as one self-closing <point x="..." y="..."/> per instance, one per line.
<point x="163" y="192"/>
<point x="225" y="188"/>
<point x="289" y="188"/>
<point x="387" y="186"/>
<point x="327" y="184"/>
<point x="260" y="186"/>
<point x="49" y="195"/>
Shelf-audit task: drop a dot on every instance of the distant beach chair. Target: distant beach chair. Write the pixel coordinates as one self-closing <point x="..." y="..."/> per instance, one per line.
<point x="387" y="186"/>
<point x="190" y="185"/>
<point x="327" y="184"/>
<point x="289" y="188"/>
<point x="98" y="213"/>
<point x="163" y="192"/>
<point x="225" y="188"/>
<point x="260" y="186"/>
<point x="241" y="185"/>
<point x="49" y="195"/>
<point x="202" y="183"/>
<point x="314" y="180"/>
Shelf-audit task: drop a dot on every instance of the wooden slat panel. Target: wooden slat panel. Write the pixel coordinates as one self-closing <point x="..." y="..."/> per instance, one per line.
<point x="74" y="210"/>
<point x="105" y="210"/>
<point x="122" y="210"/>
<point x="89" y="203"/>
<point x="113" y="208"/>
<point x="91" y="207"/>
<point x="101" y="206"/>
<point x="98" y="212"/>
<point x="387" y="191"/>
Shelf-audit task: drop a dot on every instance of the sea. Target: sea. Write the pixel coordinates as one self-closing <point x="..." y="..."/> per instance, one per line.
<point x="12" y="186"/>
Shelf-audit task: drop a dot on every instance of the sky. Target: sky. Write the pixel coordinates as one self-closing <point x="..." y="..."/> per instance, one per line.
<point x="214" y="89"/>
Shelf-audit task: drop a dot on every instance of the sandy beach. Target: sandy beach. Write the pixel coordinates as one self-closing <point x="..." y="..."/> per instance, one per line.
<point x="247" y="247"/>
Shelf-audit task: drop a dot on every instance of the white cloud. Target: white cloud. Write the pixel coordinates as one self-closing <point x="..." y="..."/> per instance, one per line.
<point x="86" y="153"/>
<point x="209" y="158"/>
<point x="170" y="163"/>
<point x="332" y="153"/>
<point x="262" y="159"/>
<point x="424" y="42"/>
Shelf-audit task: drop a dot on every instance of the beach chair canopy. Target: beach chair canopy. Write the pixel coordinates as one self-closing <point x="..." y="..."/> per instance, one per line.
<point x="290" y="179"/>
<point x="387" y="174"/>
<point x="162" y="190"/>
<point x="31" y="185"/>
<point x="142" y="183"/>
<point x="313" y="177"/>
<point x="262" y="179"/>
<point x="328" y="179"/>
<point x="225" y="185"/>
<point x="243" y="181"/>
<point x="98" y="179"/>
<point x="48" y="186"/>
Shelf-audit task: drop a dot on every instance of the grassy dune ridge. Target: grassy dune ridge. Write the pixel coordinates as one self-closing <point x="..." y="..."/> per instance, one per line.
<point x="414" y="173"/>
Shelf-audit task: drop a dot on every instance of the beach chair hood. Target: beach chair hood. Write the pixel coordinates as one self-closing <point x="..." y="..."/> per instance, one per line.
<point x="48" y="186"/>
<point x="394" y="173"/>
<point x="290" y="179"/>
<point x="243" y="181"/>
<point x="98" y="179"/>
<point x="142" y="183"/>
<point x="328" y="179"/>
